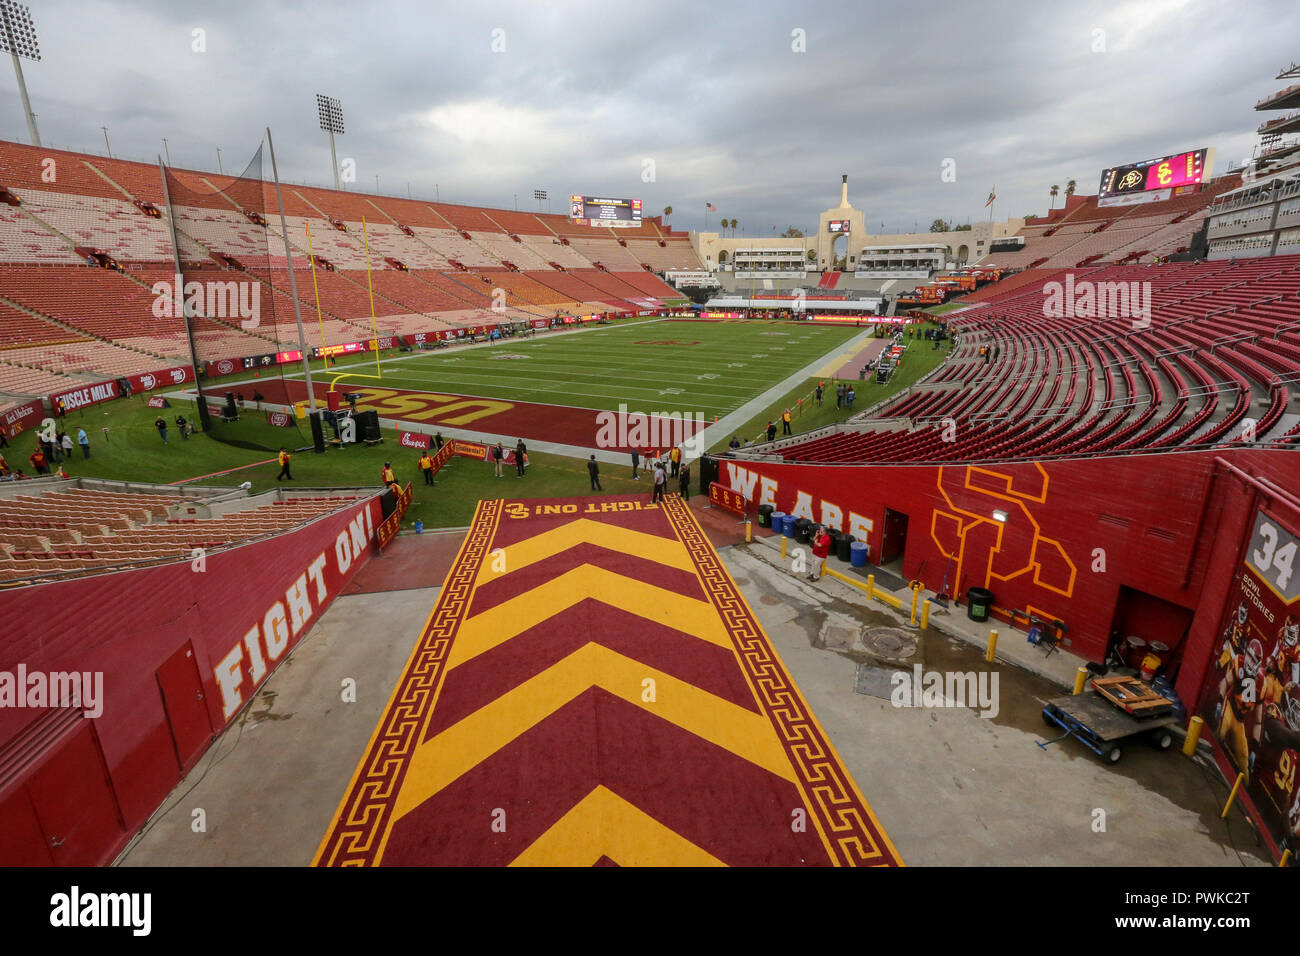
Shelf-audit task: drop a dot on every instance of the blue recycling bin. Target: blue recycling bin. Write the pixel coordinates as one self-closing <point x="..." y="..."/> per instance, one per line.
<point x="787" y="525"/>
<point x="858" y="554"/>
<point x="778" y="522"/>
<point x="419" y="526"/>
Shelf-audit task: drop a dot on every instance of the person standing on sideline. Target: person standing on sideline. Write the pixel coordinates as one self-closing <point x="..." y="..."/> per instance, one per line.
<point x="660" y="479"/>
<point x="437" y="438"/>
<point x="283" y="458"/>
<point x="684" y="481"/>
<point x="426" y="467"/>
<point x="593" y="470"/>
<point x="67" y="446"/>
<point x="849" y="398"/>
<point x="734" y="443"/>
<point x="818" y="395"/>
<point x="821" y="548"/>
<point x="636" y="461"/>
<point x="39" y="461"/>
<point x="520" y="451"/>
<point x="160" y="423"/>
<point x="498" y="456"/>
<point x="785" y="422"/>
<point x="675" y="456"/>
<point x="84" y="442"/>
<point x="386" y="475"/>
<point x="771" y="431"/>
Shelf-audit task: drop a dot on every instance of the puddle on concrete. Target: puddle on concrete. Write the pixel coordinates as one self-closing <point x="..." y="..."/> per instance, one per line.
<point x="883" y="645"/>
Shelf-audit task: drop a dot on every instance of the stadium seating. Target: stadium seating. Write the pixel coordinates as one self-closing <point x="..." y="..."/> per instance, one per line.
<point x="77" y="531"/>
<point x="72" y="202"/>
<point x="1222" y="347"/>
<point x="1083" y="231"/>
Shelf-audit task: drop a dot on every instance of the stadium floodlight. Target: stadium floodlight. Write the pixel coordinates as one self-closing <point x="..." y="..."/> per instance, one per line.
<point x="539" y="195"/>
<point x="330" y="111"/>
<point x="18" y="37"/>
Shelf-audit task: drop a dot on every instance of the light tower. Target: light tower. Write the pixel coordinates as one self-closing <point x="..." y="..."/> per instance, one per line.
<point x="331" y="121"/>
<point x="18" y="37"/>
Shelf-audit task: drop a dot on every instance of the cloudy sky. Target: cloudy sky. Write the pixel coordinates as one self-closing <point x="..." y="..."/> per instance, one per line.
<point x="757" y="107"/>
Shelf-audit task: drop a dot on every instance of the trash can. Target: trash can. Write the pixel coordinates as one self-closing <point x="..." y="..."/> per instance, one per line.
<point x="787" y="525"/>
<point x="778" y="522"/>
<point x="419" y="526"/>
<point x="858" y="554"/>
<point x="835" y="541"/>
<point x="978" y="603"/>
<point x="802" y="527"/>
<point x="843" y="548"/>
<point x="765" y="516"/>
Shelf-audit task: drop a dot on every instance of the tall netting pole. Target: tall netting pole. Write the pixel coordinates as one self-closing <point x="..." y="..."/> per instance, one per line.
<point x="178" y="293"/>
<point x="293" y="283"/>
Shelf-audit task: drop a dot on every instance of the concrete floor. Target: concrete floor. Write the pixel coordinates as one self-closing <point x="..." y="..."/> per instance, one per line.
<point x="954" y="788"/>
<point x="270" y="785"/>
<point x="950" y="787"/>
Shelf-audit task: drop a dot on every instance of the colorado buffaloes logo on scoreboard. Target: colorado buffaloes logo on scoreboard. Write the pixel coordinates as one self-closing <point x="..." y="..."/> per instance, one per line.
<point x="1131" y="180"/>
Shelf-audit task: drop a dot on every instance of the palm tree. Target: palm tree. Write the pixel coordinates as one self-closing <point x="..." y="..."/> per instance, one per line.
<point x="1055" y="191"/>
<point x="733" y="228"/>
<point x="1069" y="187"/>
<point x="668" y="211"/>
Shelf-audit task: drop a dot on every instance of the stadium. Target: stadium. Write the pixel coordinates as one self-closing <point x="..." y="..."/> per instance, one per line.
<point x="349" y="526"/>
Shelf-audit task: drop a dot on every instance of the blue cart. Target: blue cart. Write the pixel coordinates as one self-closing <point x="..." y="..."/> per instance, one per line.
<point x="1102" y="727"/>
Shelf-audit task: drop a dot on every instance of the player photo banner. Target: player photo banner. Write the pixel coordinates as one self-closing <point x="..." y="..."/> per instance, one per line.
<point x="1251" y="699"/>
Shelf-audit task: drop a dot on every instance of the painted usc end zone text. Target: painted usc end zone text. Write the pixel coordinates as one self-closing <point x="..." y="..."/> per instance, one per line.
<point x="517" y="510"/>
<point x="428" y="406"/>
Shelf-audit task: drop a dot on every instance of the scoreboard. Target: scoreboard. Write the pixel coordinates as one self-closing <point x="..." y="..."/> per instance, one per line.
<point x="838" y="226"/>
<point x="598" y="211"/>
<point x="1153" y="180"/>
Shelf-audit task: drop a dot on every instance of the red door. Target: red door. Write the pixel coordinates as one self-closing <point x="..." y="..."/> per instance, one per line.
<point x="893" y="540"/>
<point x="23" y="843"/>
<point x="74" y="802"/>
<point x="187" y="714"/>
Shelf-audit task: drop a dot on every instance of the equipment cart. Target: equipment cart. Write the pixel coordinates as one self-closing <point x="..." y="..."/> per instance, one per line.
<point x="1102" y="725"/>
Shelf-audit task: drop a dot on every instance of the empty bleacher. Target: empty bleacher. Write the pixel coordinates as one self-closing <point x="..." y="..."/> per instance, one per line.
<point x="57" y="532"/>
<point x="1218" y="363"/>
<point x="70" y="202"/>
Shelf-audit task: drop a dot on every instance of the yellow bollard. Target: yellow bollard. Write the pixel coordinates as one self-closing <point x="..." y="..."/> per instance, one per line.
<point x="1286" y="859"/>
<point x="749" y="532"/>
<point x="871" y="586"/>
<point x="915" y="595"/>
<point x="925" y="616"/>
<point x="993" y="646"/>
<point x="783" y="540"/>
<point x="1193" y="735"/>
<point x="1080" y="679"/>
<point x="1232" y="796"/>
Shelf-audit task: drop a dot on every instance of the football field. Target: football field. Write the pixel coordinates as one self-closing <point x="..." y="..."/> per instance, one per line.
<point x="690" y="366"/>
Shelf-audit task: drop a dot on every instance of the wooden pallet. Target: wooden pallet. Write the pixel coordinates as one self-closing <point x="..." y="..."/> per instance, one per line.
<point x="1132" y="695"/>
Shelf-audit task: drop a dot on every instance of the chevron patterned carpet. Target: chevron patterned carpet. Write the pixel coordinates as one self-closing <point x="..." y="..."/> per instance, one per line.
<point x="592" y="689"/>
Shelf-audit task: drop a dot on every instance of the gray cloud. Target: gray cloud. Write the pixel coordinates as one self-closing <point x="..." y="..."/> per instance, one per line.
<point x="584" y="93"/>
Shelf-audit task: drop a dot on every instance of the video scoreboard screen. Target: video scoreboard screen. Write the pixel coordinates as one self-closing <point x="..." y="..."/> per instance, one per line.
<point x="837" y="226"/>
<point x="598" y="211"/>
<point x="1154" y="179"/>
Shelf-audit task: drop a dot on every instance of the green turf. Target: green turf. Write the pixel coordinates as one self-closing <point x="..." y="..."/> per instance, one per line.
<point x="920" y="360"/>
<point x="597" y="368"/>
<point x="688" y="366"/>
<point x="132" y="450"/>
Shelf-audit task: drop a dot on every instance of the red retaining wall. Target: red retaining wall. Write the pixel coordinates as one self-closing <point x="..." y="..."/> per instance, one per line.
<point x="182" y="647"/>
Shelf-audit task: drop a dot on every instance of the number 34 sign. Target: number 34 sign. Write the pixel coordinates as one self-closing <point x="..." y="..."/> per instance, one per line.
<point x="1272" y="555"/>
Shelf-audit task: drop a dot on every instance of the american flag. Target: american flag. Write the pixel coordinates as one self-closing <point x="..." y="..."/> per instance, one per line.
<point x="710" y="207"/>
